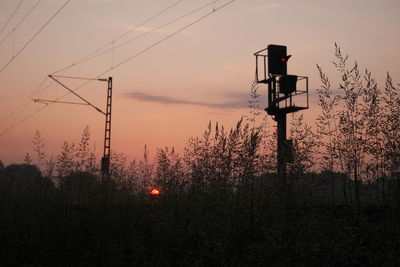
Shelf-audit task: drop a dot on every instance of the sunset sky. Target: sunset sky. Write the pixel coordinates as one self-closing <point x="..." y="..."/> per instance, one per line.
<point x="171" y="91"/>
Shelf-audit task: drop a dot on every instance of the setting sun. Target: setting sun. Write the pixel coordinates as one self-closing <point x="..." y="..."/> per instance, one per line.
<point x="154" y="192"/>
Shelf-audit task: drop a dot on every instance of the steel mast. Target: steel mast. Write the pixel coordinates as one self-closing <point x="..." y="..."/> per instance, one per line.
<point x="282" y="93"/>
<point x="105" y="161"/>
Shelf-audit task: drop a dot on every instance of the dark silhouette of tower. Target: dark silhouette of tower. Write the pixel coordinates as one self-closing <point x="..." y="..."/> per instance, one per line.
<point x="105" y="160"/>
<point x="282" y="93"/>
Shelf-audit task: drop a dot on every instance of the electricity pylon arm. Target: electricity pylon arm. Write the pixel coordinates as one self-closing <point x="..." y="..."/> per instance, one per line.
<point x="72" y="91"/>
<point x="46" y="102"/>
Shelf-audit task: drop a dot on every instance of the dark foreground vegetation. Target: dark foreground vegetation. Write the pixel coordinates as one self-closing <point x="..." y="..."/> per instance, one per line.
<point x="221" y="203"/>
<point x="86" y="222"/>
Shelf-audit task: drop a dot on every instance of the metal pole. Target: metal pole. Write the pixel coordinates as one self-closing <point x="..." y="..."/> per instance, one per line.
<point x="105" y="161"/>
<point x="281" y="120"/>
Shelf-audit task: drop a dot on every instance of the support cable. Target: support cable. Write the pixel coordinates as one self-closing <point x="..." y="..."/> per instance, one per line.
<point x="46" y="102"/>
<point x="18" y="110"/>
<point x="152" y="46"/>
<point x="100" y="53"/>
<point x="34" y="36"/>
<point x="73" y="92"/>
<point x="25" y="103"/>
<point x="13" y="44"/>
<point x="19" y="22"/>
<point x="118" y="65"/>
<point x="148" y="20"/>
<point x="25" y="106"/>
<point x="167" y="37"/>
<point x="22" y="120"/>
<point x="112" y="55"/>
<point x="83" y="59"/>
<point x="11" y="16"/>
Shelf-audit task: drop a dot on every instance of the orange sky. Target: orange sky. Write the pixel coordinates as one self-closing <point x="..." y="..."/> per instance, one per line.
<point x="169" y="93"/>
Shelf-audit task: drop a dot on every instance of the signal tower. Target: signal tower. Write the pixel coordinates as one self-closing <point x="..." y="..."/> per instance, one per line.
<point x="271" y="69"/>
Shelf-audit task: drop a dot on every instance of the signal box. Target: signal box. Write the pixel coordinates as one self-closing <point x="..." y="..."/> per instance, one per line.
<point x="283" y="94"/>
<point x="286" y="93"/>
<point x="277" y="60"/>
<point x="287" y="84"/>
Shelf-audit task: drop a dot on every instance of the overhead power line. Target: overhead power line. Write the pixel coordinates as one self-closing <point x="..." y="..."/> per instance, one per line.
<point x="34" y="36"/>
<point x="100" y="52"/>
<point x="20" y="21"/>
<point x="166" y="38"/>
<point x="84" y="58"/>
<point x="146" y="21"/>
<point x="12" y="126"/>
<point x="151" y="46"/>
<point x="120" y="64"/>
<point x="11" y="16"/>
<point x="18" y="110"/>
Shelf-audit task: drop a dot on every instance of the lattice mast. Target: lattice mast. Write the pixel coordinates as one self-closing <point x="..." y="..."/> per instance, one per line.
<point x="105" y="161"/>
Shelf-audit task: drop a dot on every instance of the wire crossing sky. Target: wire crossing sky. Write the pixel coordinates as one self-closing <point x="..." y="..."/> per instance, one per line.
<point x="33" y="37"/>
<point x="11" y="16"/>
<point x="15" y="28"/>
<point x="15" y="123"/>
<point x="98" y="52"/>
<point x="170" y="77"/>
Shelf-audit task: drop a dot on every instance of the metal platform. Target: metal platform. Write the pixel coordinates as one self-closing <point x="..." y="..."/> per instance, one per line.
<point x="274" y="111"/>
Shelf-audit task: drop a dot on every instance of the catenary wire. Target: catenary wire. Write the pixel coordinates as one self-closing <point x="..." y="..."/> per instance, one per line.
<point x="100" y="53"/>
<point x="118" y="38"/>
<point x="22" y="120"/>
<point x="19" y="22"/>
<point x="167" y="37"/>
<point x="11" y="16"/>
<point x="22" y="109"/>
<point x="120" y="64"/>
<point x="24" y="104"/>
<point x="34" y="36"/>
<point x="150" y="47"/>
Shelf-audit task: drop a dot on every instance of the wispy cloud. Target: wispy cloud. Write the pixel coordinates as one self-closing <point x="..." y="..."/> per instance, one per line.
<point x="234" y="100"/>
<point x="268" y="7"/>
<point x="157" y="29"/>
<point x="143" y="29"/>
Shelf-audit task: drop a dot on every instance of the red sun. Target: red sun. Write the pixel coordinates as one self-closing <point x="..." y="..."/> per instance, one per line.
<point x="154" y="192"/>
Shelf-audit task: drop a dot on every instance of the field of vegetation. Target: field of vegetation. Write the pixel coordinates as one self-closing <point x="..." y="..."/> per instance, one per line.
<point x="221" y="201"/>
